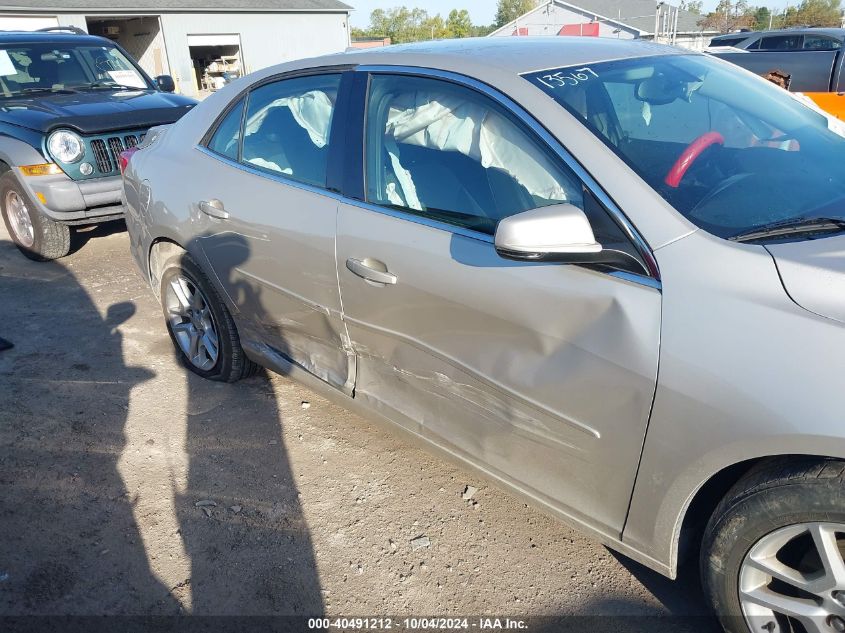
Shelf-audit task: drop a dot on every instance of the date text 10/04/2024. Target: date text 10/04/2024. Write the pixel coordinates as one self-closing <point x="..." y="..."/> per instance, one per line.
<point x="418" y="624"/>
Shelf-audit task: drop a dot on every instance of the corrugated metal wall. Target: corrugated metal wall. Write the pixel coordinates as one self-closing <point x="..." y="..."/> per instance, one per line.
<point x="266" y="39"/>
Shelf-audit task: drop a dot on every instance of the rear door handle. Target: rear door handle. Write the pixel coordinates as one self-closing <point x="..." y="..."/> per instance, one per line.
<point x="372" y="270"/>
<point x="214" y="208"/>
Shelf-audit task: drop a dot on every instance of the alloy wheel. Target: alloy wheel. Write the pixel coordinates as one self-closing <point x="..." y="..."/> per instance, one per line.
<point x="793" y="580"/>
<point x="192" y="323"/>
<point x="19" y="219"/>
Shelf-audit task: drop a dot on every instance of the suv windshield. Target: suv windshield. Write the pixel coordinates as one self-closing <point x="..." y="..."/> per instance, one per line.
<point x="731" y="152"/>
<point x="44" y="67"/>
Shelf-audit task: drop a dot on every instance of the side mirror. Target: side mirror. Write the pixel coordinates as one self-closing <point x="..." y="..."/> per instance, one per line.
<point x="556" y="233"/>
<point x="165" y="83"/>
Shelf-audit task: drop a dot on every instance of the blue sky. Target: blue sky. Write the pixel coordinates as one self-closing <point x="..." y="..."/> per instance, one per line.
<point x="482" y="11"/>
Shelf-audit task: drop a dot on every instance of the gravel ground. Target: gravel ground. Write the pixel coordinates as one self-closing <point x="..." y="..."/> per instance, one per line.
<point x="129" y="486"/>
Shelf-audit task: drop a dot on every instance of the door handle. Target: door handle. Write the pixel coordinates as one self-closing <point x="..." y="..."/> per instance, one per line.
<point x="372" y="270"/>
<point x="214" y="208"/>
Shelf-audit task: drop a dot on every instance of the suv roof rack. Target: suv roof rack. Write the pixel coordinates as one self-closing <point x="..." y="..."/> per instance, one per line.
<point x="71" y="29"/>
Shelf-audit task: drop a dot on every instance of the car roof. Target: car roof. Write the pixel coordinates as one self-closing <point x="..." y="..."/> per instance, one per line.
<point x="833" y="32"/>
<point x="42" y="37"/>
<point x="515" y="54"/>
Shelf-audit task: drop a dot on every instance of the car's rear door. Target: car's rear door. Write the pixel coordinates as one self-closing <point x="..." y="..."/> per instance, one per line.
<point x="542" y="374"/>
<point x="269" y="221"/>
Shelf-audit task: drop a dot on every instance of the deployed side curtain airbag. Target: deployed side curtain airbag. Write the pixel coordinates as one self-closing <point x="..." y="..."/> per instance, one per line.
<point x="312" y="111"/>
<point x="443" y="122"/>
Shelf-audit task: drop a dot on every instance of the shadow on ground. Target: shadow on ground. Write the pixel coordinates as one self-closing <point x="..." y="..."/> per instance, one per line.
<point x="75" y="539"/>
<point x="80" y="236"/>
<point x="76" y="534"/>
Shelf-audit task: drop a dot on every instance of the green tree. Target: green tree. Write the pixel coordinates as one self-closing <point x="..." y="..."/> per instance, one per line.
<point x="400" y="24"/>
<point x="814" y="13"/>
<point x="762" y="18"/>
<point x="482" y="30"/>
<point x="459" y="23"/>
<point x="729" y="16"/>
<point x="509" y="10"/>
<point x="403" y="24"/>
<point x="434" y="29"/>
<point x="693" y="6"/>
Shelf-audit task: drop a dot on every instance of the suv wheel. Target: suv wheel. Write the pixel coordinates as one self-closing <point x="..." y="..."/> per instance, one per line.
<point x="773" y="558"/>
<point x="200" y="325"/>
<point x="36" y="235"/>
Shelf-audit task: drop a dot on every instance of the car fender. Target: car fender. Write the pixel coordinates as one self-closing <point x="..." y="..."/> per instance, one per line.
<point x="676" y="499"/>
<point x="15" y="152"/>
<point x="733" y="383"/>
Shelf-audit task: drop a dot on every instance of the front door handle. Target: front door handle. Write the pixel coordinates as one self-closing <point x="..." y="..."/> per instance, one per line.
<point x="214" y="208"/>
<point x="372" y="270"/>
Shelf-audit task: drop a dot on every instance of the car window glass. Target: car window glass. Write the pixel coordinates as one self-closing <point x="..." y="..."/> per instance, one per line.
<point x="729" y="152"/>
<point x="287" y="125"/>
<point x="669" y="122"/>
<point x="781" y="43"/>
<point x="818" y="43"/>
<point x="228" y="134"/>
<point x="726" y="41"/>
<point x="43" y="67"/>
<point x="447" y="152"/>
<point x="753" y="46"/>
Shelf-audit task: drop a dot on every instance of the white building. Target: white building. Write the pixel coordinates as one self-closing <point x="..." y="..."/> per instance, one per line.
<point x="197" y="41"/>
<point x="626" y="19"/>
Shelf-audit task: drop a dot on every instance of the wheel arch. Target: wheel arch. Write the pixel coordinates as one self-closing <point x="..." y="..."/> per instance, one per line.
<point x="161" y="251"/>
<point x="17" y="152"/>
<point x="704" y="501"/>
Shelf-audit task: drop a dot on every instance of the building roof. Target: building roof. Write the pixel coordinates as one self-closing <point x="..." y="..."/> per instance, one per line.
<point x="638" y="15"/>
<point x="174" y="6"/>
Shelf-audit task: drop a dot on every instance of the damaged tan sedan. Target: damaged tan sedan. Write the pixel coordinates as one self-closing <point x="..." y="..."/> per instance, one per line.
<point x="606" y="274"/>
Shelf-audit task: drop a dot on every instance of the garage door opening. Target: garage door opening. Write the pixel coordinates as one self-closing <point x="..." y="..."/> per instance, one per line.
<point x="216" y="60"/>
<point x="141" y="37"/>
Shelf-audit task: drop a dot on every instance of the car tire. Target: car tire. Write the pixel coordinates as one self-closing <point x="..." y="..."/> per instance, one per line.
<point x="37" y="236"/>
<point x="200" y="325"/>
<point x="778" y="520"/>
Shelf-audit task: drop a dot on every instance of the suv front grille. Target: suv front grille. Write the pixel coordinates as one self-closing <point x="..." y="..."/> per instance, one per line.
<point x="106" y="150"/>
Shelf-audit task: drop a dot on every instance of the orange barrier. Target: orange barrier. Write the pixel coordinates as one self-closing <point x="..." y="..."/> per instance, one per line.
<point x="832" y="102"/>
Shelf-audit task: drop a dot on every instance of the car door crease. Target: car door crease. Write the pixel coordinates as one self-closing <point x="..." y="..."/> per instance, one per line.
<point x="307" y="302"/>
<point x="576" y="424"/>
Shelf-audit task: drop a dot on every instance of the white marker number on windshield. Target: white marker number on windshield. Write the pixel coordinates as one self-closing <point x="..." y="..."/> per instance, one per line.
<point x="562" y="78"/>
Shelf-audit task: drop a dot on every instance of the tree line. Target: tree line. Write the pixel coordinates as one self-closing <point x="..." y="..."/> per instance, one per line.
<point x="733" y="15"/>
<point x="403" y="24"/>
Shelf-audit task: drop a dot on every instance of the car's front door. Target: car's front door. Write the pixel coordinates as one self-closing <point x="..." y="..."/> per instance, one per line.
<point x="270" y="223"/>
<point x="542" y="374"/>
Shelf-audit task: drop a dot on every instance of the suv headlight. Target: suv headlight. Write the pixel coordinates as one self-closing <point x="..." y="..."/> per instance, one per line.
<point x="65" y="146"/>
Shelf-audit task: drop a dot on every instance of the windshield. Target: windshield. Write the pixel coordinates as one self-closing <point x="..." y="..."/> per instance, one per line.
<point x="30" y="68"/>
<point x="729" y="151"/>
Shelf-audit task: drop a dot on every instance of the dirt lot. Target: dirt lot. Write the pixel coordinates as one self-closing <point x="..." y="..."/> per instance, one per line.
<point x="131" y="487"/>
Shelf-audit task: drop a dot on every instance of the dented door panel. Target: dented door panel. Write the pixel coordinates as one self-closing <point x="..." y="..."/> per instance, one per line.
<point x="542" y="374"/>
<point x="275" y="258"/>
